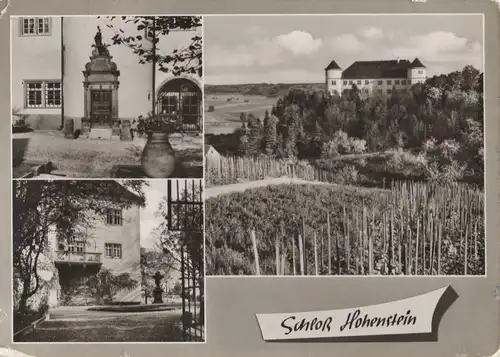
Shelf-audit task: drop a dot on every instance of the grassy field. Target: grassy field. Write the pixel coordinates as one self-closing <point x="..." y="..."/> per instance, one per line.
<point x="228" y="107"/>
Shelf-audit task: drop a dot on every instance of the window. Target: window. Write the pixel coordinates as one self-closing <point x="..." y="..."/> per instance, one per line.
<point x="389" y="91"/>
<point x="35" y="26"/>
<point x="403" y="81"/>
<point x="380" y="91"/>
<point x="365" y="90"/>
<point x="420" y="72"/>
<point x="77" y="247"/>
<point x="43" y="94"/>
<point x="396" y="81"/>
<point x="359" y="82"/>
<point x="389" y="81"/>
<point x="114" y="217"/>
<point x="334" y="83"/>
<point x="113" y="251"/>
<point x="350" y="82"/>
<point x="367" y="81"/>
<point x="380" y="83"/>
<point x="345" y="82"/>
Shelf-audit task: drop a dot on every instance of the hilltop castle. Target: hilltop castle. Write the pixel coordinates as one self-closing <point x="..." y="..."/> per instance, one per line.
<point x="375" y="77"/>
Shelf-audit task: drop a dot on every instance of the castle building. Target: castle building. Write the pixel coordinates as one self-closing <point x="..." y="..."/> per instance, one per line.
<point x="375" y="77"/>
<point x="68" y="68"/>
<point x="113" y="244"/>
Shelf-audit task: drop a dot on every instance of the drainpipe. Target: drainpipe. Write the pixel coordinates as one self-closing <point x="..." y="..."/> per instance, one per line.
<point x="153" y="91"/>
<point x="63" y="49"/>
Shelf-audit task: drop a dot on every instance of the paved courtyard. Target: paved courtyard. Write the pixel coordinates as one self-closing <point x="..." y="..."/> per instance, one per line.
<point x="76" y="324"/>
<point x="83" y="158"/>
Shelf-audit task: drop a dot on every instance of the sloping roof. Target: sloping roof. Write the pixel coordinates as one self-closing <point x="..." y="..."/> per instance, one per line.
<point x="332" y="65"/>
<point x="377" y="69"/>
<point x="417" y="64"/>
<point x="208" y="147"/>
<point x="126" y="193"/>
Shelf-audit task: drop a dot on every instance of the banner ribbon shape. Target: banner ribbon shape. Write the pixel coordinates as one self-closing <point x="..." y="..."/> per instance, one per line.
<point x="402" y="317"/>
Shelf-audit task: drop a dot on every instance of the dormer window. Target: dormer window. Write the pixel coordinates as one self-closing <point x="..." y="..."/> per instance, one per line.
<point x="35" y="26"/>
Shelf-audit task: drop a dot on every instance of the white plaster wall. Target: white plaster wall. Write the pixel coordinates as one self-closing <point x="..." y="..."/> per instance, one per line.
<point x="334" y="75"/>
<point x="128" y="235"/>
<point x="373" y="84"/>
<point x="35" y="58"/>
<point x="417" y="77"/>
<point x="135" y="79"/>
<point x="176" y="40"/>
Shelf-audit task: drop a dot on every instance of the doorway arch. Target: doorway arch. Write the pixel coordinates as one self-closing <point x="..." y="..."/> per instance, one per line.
<point x="183" y="96"/>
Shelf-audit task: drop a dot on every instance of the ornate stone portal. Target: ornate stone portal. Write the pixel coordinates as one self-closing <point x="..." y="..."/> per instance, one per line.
<point x="101" y="93"/>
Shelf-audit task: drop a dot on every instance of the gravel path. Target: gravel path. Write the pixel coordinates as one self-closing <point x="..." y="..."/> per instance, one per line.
<point x="84" y="158"/>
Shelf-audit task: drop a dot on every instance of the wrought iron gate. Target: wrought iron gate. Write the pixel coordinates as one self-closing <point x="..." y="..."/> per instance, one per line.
<point x="185" y="215"/>
<point x="183" y="97"/>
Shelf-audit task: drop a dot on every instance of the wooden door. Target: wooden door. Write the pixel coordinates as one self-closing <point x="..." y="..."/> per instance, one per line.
<point x="100" y="108"/>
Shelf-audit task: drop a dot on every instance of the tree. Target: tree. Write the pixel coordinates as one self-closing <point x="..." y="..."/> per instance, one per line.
<point x="68" y="208"/>
<point x="104" y="285"/>
<point x="254" y="136"/>
<point x="187" y="60"/>
<point x="270" y="135"/>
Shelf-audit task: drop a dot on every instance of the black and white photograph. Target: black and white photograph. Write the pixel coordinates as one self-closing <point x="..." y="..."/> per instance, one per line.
<point x="344" y="145"/>
<point x="107" y="96"/>
<point x="108" y="261"/>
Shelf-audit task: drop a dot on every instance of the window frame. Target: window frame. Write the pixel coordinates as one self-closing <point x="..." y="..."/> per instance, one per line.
<point x="36" y="29"/>
<point x="115" y="251"/>
<point x="114" y="217"/>
<point x="44" y="90"/>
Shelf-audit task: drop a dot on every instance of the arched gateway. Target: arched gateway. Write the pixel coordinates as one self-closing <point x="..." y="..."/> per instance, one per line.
<point x="183" y="96"/>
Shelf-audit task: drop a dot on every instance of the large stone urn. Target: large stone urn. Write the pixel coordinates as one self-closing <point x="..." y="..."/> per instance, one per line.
<point x="158" y="156"/>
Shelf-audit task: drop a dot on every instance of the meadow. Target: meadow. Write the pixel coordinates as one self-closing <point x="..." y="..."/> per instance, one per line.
<point x="225" y="117"/>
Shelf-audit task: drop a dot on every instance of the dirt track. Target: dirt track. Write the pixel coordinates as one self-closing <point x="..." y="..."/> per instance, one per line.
<point x="239" y="187"/>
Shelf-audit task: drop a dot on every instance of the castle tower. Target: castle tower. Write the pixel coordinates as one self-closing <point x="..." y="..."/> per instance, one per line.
<point x="417" y="72"/>
<point x="131" y="89"/>
<point x="333" y="77"/>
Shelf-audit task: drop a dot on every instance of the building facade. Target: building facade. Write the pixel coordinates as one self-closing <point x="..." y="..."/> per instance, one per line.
<point x="59" y="73"/>
<point x="113" y="244"/>
<point x="375" y="77"/>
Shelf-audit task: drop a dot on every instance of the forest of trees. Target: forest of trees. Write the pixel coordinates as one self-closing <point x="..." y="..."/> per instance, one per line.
<point x="264" y="89"/>
<point x="442" y="118"/>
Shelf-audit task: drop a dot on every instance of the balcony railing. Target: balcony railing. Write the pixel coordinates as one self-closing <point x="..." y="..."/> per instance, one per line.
<point x="78" y="257"/>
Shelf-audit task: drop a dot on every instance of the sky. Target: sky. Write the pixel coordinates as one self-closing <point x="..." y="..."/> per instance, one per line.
<point x="154" y="193"/>
<point x="296" y="49"/>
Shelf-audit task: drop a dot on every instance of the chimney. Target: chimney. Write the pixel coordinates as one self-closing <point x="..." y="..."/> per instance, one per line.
<point x="397" y="60"/>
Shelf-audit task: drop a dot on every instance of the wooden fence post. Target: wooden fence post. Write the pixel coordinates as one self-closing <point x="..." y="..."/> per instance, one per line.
<point x="301" y="255"/>
<point x="255" y="252"/>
